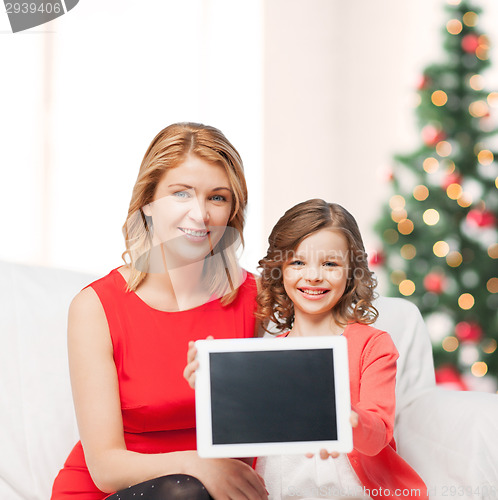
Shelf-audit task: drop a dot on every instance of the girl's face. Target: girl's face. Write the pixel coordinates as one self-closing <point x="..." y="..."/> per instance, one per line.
<point x="316" y="276"/>
<point x="190" y="210"/>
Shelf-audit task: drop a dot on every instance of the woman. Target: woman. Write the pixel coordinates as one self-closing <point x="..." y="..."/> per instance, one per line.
<point x="128" y="332"/>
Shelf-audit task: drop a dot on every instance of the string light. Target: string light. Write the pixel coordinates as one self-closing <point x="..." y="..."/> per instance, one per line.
<point x="406" y="287"/>
<point x="431" y="217"/>
<point x="454" y="191"/>
<point x="476" y="82"/>
<point x="454" y="26"/>
<point x="485" y="157"/>
<point x="441" y="249"/>
<point x="443" y="148"/>
<point x="465" y="200"/>
<point x="470" y="19"/>
<point x="466" y="301"/>
<point x="450" y="344"/>
<point x="493" y="99"/>
<point x="492" y="285"/>
<point x="479" y="369"/>
<point x="430" y="165"/>
<point x="439" y="98"/>
<point x="398" y="215"/>
<point x="420" y="192"/>
<point x="490" y="346"/>
<point x="397" y="201"/>
<point x="405" y="226"/>
<point x="408" y="251"/>
<point x="478" y="109"/>
<point x="454" y="259"/>
<point x="493" y="251"/>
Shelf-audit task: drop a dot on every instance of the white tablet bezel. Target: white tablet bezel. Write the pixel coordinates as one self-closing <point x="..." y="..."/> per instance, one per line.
<point x="205" y="446"/>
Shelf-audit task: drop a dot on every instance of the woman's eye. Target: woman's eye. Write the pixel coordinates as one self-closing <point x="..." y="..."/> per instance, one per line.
<point x="182" y="194"/>
<point x="218" y="198"/>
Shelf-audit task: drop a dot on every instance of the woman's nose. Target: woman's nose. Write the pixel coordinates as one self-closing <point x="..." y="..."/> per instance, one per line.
<point x="198" y="211"/>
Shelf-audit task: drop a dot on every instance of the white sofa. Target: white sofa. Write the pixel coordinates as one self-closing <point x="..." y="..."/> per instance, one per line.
<point x="450" y="438"/>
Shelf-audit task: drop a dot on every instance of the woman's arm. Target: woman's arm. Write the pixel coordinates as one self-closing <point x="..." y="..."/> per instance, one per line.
<point x="98" y="410"/>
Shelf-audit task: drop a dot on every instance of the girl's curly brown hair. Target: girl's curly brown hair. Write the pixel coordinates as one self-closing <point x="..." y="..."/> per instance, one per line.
<point x="294" y="226"/>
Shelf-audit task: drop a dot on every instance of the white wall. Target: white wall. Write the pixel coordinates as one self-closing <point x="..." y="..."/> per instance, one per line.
<point x="315" y="94"/>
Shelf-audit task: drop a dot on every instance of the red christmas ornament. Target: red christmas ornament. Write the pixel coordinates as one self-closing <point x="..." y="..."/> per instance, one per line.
<point x="448" y="377"/>
<point x="480" y="218"/>
<point x="376" y="258"/>
<point x="468" y="331"/>
<point x="435" y="283"/>
<point x="423" y="82"/>
<point x="453" y="178"/>
<point x="432" y="135"/>
<point x="470" y="43"/>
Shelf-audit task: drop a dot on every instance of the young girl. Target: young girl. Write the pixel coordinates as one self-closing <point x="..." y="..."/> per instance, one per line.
<point x="315" y="281"/>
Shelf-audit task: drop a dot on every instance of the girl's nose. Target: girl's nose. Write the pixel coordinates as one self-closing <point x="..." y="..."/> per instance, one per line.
<point x="313" y="274"/>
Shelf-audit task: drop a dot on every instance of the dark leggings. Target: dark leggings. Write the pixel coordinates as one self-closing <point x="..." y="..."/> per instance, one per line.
<point x="173" y="487"/>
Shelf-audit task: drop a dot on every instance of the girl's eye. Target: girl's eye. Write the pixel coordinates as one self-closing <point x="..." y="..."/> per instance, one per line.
<point x="296" y="263"/>
<point x="330" y="264"/>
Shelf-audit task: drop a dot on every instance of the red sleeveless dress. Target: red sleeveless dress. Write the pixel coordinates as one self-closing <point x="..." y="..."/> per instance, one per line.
<point x="150" y="348"/>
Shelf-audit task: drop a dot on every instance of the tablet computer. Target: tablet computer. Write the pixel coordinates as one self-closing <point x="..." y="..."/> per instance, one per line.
<point x="268" y="396"/>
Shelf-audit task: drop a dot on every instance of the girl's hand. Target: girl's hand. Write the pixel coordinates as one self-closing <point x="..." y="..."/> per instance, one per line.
<point x="192" y="363"/>
<point x="230" y="479"/>
<point x="324" y="454"/>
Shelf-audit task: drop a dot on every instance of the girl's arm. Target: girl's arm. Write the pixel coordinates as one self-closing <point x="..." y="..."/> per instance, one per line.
<point x="377" y="404"/>
<point x="98" y="410"/>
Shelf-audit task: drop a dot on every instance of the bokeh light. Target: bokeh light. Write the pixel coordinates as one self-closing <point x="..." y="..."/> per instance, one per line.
<point x="493" y="99"/>
<point x="430" y="165"/>
<point x="398" y="276"/>
<point x="439" y="98"/>
<point x="479" y="369"/>
<point x="493" y="251"/>
<point x="489" y="346"/>
<point x="454" y="259"/>
<point x="391" y="236"/>
<point x="454" y="191"/>
<point x="476" y="82"/>
<point x="450" y="344"/>
<point x="421" y="192"/>
<point x="431" y="217"/>
<point x="407" y="287"/>
<point x="470" y="19"/>
<point x="478" y="109"/>
<point x="441" y="249"/>
<point x="492" y="285"/>
<point x="466" y="301"/>
<point x="408" y="251"/>
<point x="443" y="148"/>
<point x="454" y="26"/>
<point x="405" y="226"/>
<point x="485" y="157"/>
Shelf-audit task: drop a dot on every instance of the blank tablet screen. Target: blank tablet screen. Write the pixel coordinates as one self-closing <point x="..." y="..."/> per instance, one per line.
<point x="273" y="396"/>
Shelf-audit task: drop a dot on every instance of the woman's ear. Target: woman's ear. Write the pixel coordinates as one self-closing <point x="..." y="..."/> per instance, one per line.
<point x="146" y="210"/>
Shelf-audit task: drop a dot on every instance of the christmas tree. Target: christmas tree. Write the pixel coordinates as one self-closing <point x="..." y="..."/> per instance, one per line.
<point x="438" y="230"/>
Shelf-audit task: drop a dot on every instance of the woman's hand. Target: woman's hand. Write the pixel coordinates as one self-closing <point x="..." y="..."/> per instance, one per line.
<point x="230" y="479"/>
<point x="192" y="363"/>
<point x="324" y="454"/>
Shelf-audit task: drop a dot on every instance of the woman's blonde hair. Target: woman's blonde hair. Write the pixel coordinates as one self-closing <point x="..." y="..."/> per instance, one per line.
<point x="168" y="150"/>
<point x="294" y="226"/>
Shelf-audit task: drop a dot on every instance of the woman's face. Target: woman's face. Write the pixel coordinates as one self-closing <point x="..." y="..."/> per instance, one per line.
<point x="190" y="210"/>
